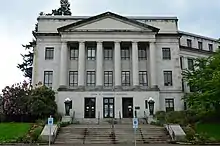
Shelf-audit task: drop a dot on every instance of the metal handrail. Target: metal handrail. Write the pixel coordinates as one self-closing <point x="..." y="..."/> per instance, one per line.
<point x="120" y="116"/>
<point x="98" y="117"/>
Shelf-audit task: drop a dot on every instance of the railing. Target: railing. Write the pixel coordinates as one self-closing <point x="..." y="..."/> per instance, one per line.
<point x="171" y="132"/>
<point x="98" y="117"/>
<point x="120" y="117"/>
<point x="145" y="117"/>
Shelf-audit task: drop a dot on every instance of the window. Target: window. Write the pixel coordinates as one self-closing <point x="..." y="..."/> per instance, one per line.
<point x="189" y="43"/>
<point x="183" y="87"/>
<point x="49" y="53"/>
<point x="108" y="78"/>
<point x="91" y="53"/>
<point x="181" y="62"/>
<point x="200" y="45"/>
<point x="166" y="53"/>
<point x="74" y="52"/>
<point x="168" y="78"/>
<point x="125" y="78"/>
<point x="125" y="53"/>
<point x="142" y="54"/>
<point x="90" y="78"/>
<point x="73" y="78"/>
<point x="108" y="53"/>
<point x="190" y="64"/>
<point x="48" y="78"/>
<point x="211" y="47"/>
<point x="169" y="104"/>
<point x="146" y="104"/>
<point x="143" y="78"/>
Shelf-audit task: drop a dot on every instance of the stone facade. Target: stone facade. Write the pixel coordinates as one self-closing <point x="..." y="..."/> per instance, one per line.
<point x="91" y="97"/>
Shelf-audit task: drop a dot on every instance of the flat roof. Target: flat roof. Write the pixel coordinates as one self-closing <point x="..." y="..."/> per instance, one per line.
<point x="198" y="36"/>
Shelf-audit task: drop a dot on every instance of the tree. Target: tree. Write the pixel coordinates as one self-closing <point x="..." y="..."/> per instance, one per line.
<point x="205" y="81"/>
<point x="64" y="8"/>
<point x="26" y="65"/>
<point x="22" y="101"/>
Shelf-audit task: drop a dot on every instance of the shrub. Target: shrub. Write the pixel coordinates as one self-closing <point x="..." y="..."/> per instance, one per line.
<point x="160" y="115"/>
<point x="190" y="133"/>
<point x="176" y="117"/>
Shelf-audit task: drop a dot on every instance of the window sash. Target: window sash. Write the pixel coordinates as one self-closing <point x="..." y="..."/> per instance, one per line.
<point x="190" y="64"/>
<point x="90" y="78"/>
<point x="125" y="53"/>
<point x="169" y="104"/>
<point x="143" y="78"/>
<point x="211" y="47"/>
<point x="91" y="53"/>
<point x="125" y="78"/>
<point x="200" y="46"/>
<point x="49" y="53"/>
<point x="73" y="78"/>
<point x="142" y="54"/>
<point x="74" y="53"/>
<point x="108" y="78"/>
<point x="48" y="78"/>
<point x="189" y="43"/>
<point x="108" y="53"/>
<point x="166" y="53"/>
<point x="168" y="78"/>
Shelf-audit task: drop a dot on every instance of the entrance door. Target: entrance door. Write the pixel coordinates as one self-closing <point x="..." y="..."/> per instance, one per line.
<point x="108" y="107"/>
<point x="89" y="108"/>
<point x="127" y="107"/>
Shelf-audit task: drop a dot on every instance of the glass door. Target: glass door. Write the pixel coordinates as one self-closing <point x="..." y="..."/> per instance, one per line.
<point x="108" y="107"/>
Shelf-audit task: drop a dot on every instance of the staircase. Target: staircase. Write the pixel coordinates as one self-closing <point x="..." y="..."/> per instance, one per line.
<point x="121" y="133"/>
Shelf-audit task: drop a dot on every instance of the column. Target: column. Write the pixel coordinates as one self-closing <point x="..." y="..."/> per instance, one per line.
<point x="135" y="68"/>
<point x="99" y="64"/>
<point x="117" y="64"/>
<point x="81" y="64"/>
<point x="63" y="64"/>
<point x="153" y="64"/>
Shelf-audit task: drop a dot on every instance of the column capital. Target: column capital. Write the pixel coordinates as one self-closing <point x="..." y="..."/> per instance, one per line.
<point x="81" y="41"/>
<point x="134" y="41"/>
<point x="117" y="41"/>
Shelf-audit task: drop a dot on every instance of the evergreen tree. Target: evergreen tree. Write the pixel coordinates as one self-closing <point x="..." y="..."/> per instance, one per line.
<point x="64" y="8"/>
<point x="26" y="65"/>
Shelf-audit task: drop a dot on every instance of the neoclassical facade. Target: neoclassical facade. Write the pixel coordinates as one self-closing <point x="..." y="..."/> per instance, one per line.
<point x="110" y="65"/>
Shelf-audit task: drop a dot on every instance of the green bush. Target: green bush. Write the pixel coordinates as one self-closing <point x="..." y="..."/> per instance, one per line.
<point x="160" y="115"/>
<point x="190" y="133"/>
<point x="36" y="133"/>
<point x="64" y="124"/>
<point x="176" y="117"/>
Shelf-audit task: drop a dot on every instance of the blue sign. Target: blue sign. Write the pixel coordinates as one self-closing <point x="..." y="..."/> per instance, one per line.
<point x="135" y="123"/>
<point x="50" y="121"/>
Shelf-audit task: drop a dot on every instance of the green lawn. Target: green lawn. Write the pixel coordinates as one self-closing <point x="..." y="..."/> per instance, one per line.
<point x="11" y="131"/>
<point x="212" y="130"/>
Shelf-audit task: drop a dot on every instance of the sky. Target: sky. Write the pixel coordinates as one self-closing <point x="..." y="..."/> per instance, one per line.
<point x="18" y="18"/>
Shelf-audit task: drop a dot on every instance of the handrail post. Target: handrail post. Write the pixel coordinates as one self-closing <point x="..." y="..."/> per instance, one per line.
<point x="120" y="117"/>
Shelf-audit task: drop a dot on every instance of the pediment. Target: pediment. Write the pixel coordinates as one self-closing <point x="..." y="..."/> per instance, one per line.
<point x="108" y="22"/>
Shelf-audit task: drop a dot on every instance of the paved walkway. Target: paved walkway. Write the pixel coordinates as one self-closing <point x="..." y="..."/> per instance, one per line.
<point x="102" y="145"/>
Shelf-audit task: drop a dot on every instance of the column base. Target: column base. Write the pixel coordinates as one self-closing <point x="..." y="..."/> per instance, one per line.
<point x="62" y="88"/>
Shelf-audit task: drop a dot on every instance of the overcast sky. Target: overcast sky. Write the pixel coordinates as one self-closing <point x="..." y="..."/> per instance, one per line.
<point x="18" y="17"/>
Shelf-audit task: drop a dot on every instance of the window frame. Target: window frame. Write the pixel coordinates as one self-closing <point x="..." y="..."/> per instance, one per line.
<point x="90" y="54"/>
<point x="50" y="75"/>
<point x="49" y="53"/>
<point x="125" y="55"/>
<point x="142" y="74"/>
<point x="142" y="53"/>
<point x="171" y="104"/>
<point x="73" y="83"/>
<point x="89" y="81"/>
<point x="167" y="75"/>
<point x="75" y="54"/>
<point x="200" y="45"/>
<point x="127" y="78"/>
<point x="190" y="64"/>
<point x="166" y="53"/>
<point x="189" y="43"/>
<point x="108" y="53"/>
<point x="109" y="76"/>
<point x="210" y="47"/>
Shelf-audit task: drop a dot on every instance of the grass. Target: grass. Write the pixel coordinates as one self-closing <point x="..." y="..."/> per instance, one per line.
<point x="10" y="132"/>
<point x="212" y="130"/>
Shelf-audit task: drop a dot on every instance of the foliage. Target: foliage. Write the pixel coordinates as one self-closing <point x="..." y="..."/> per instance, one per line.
<point x="205" y="82"/>
<point x="24" y="101"/>
<point x="210" y="129"/>
<point x="63" y="10"/>
<point x="160" y="116"/>
<point x="26" y="65"/>
<point x="13" y="132"/>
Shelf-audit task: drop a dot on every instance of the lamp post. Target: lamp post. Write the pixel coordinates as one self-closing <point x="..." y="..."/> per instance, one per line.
<point x="151" y="105"/>
<point x="68" y="106"/>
